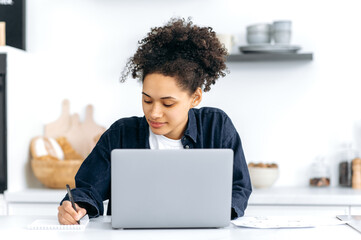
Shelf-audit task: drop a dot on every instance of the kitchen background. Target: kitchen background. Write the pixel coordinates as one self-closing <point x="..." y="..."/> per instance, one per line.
<point x="286" y="112"/>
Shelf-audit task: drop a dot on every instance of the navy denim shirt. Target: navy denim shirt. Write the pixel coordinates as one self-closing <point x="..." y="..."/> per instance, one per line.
<point x="206" y="128"/>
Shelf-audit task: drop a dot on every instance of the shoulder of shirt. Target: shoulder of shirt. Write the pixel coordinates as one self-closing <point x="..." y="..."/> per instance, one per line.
<point x="210" y="112"/>
<point x="217" y="115"/>
<point x="129" y="122"/>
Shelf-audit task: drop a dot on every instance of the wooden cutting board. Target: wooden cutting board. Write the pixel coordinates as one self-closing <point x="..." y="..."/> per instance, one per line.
<point x="75" y="135"/>
<point x="62" y="124"/>
<point x="91" y="130"/>
<point x="81" y="135"/>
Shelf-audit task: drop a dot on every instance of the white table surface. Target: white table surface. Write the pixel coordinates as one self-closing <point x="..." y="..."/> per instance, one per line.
<point x="14" y="227"/>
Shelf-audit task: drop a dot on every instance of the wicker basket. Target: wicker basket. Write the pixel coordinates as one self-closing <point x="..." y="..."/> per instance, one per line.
<point x="55" y="173"/>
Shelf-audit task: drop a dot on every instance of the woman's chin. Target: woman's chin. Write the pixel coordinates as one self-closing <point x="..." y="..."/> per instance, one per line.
<point x="158" y="131"/>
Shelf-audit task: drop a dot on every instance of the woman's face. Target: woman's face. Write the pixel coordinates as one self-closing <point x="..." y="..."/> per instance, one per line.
<point x="166" y="105"/>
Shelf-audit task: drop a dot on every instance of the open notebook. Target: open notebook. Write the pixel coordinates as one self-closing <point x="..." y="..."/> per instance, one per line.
<point x="53" y="224"/>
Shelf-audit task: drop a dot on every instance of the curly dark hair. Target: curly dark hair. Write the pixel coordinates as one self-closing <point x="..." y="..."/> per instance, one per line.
<point x="180" y="49"/>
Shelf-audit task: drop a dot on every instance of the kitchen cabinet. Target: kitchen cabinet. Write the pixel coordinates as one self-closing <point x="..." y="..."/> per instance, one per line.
<point x="261" y="57"/>
<point x="356" y="210"/>
<point x="32" y="209"/>
<point x="2" y="205"/>
<point x="35" y="208"/>
<point x="13" y="14"/>
<point x="3" y="134"/>
<point x="32" y="202"/>
<point x="279" y="201"/>
<point x="306" y="196"/>
<point x="329" y="201"/>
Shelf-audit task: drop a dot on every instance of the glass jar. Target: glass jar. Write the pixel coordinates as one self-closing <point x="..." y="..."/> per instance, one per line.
<point x="319" y="173"/>
<point x="345" y="165"/>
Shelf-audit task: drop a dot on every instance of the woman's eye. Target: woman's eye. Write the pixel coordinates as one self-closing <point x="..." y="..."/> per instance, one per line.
<point x="147" y="101"/>
<point x="168" y="105"/>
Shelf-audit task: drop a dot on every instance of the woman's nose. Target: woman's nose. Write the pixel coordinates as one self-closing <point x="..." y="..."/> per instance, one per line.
<point x="156" y="111"/>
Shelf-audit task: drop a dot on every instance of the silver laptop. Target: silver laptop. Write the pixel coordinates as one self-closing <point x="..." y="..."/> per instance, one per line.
<point x="171" y="188"/>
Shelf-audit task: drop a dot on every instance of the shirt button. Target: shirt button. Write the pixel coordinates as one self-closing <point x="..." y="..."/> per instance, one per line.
<point x="186" y="146"/>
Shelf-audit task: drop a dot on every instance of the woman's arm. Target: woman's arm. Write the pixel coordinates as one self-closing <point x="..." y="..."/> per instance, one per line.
<point x="242" y="187"/>
<point x="93" y="178"/>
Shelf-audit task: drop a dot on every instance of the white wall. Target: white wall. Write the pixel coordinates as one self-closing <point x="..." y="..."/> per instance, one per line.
<point x="286" y="112"/>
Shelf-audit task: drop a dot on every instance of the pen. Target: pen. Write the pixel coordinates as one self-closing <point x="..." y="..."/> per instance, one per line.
<point x="71" y="199"/>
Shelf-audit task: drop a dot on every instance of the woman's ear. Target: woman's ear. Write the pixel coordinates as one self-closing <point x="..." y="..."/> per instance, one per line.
<point x="196" y="97"/>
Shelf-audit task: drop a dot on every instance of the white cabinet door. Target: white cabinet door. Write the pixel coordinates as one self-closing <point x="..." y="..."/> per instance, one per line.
<point x="275" y="210"/>
<point x="356" y="210"/>
<point x="38" y="209"/>
<point x="2" y="205"/>
<point x="33" y="209"/>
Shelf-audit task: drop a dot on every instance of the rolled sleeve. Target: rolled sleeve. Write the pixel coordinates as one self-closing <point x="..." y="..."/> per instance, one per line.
<point x="242" y="188"/>
<point x="93" y="179"/>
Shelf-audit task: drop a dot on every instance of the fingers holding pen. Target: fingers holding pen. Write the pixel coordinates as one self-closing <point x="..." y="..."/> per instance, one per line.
<point x="80" y="211"/>
<point x="70" y="210"/>
<point x="66" y="219"/>
<point x="67" y="214"/>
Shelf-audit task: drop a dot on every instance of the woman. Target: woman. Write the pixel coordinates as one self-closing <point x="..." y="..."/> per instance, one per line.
<point x="174" y="63"/>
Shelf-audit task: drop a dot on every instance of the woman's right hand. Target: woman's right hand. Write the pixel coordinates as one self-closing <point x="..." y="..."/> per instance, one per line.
<point x="67" y="215"/>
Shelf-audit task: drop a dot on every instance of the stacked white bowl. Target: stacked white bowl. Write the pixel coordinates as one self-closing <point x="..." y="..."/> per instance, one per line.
<point x="282" y="32"/>
<point x="263" y="33"/>
<point x="259" y="33"/>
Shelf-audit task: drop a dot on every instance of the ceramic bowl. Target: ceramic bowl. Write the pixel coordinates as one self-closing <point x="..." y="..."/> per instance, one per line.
<point x="263" y="177"/>
<point x="282" y="25"/>
<point x="259" y="33"/>
<point x="260" y="27"/>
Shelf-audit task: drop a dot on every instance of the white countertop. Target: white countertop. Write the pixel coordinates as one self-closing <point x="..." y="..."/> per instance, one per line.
<point x="272" y="196"/>
<point x="14" y="227"/>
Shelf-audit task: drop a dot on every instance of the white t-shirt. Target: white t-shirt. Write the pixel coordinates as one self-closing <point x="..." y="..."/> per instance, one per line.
<point x="162" y="142"/>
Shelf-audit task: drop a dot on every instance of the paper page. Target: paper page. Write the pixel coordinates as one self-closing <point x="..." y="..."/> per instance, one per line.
<point x="285" y="222"/>
<point x="48" y="224"/>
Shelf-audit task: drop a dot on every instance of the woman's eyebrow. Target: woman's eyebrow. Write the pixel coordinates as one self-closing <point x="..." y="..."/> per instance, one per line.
<point x="167" y="97"/>
<point x="160" y="98"/>
<point x="146" y="94"/>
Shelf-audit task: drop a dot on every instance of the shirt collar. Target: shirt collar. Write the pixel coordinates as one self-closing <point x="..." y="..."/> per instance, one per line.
<point x="191" y="130"/>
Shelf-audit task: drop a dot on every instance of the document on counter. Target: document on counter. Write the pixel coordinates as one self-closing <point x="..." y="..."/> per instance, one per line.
<point x="285" y="222"/>
<point x="354" y="221"/>
<point x="53" y="224"/>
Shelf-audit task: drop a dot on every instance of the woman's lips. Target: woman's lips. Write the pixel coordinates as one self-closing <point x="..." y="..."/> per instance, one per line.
<point x="156" y="124"/>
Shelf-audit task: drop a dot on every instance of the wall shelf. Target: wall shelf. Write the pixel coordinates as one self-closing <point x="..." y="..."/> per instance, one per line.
<point x="261" y="57"/>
